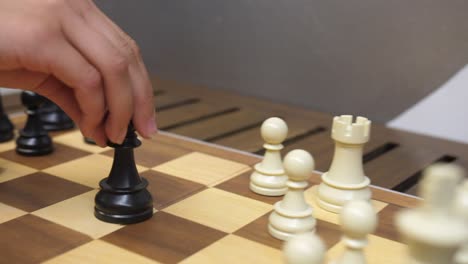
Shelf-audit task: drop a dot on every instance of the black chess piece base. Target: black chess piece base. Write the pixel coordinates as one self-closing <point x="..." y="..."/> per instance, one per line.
<point x="34" y="146"/>
<point x="125" y="206"/>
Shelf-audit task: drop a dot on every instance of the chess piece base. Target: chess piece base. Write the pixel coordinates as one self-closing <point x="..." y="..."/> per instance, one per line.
<point x="272" y="185"/>
<point x="34" y="146"/>
<point x="283" y="228"/>
<point x="267" y="192"/>
<point x="123" y="206"/>
<point x="332" y="197"/>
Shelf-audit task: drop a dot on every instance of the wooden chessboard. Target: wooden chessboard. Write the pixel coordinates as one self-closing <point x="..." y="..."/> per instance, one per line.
<point x="204" y="210"/>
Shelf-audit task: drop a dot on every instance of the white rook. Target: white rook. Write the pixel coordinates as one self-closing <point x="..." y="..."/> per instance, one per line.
<point x="345" y="180"/>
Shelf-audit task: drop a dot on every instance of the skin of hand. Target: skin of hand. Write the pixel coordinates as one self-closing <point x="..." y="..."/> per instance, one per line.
<point x="70" y="52"/>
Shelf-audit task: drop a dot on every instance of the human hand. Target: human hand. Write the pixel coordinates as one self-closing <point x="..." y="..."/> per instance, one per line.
<point x="70" y="52"/>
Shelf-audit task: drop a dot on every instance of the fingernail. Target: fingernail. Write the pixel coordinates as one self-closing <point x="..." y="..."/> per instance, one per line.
<point x="152" y="127"/>
<point x="121" y="136"/>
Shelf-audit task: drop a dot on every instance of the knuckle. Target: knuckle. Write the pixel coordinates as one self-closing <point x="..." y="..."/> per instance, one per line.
<point x="119" y="64"/>
<point x="91" y="81"/>
<point x="135" y="48"/>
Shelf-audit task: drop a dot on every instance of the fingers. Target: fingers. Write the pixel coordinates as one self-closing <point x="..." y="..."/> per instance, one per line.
<point x="63" y="96"/>
<point x="88" y="91"/>
<point x="114" y="68"/>
<point x="21" y="79"/>
<point x="143" y="112"/>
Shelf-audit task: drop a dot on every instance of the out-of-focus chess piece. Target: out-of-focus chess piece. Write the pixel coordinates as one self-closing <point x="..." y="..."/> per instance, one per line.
<point x="34" y="139"/>
<point x="6" y="127"/>
<point x="53" y="117"/>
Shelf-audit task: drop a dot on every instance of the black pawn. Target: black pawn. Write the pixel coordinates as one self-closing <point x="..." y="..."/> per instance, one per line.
<point x="34" y="139"/>
<point x="54" y="118"/>
<point x="123" y="198"/>
<point x="6" y="127"/>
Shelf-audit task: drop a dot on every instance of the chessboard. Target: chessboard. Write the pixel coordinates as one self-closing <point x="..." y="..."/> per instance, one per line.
<point x="204" y="211"/>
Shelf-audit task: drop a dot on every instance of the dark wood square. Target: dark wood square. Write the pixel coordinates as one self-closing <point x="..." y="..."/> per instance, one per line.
<point x="31" y="239"/>
<point x="152" y="153"/>
<point x="258" y="231"/>
<point x="240" y="185"/>
<point x="167" y="189"/>
<point x="38" y="190"/>
<point x="329" y="232"/>
<point x="60" y="155"/>
<point x="386" y="227"/>
<point x="165" y="238"/>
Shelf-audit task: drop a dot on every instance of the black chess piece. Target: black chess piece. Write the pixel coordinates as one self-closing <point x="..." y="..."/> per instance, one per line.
<point x="34" y="139"/>
<point x="6" y="127"/>
<point x="89" y="141"/>
<point x="54" y="118"/>
<point x="123" y="197"/>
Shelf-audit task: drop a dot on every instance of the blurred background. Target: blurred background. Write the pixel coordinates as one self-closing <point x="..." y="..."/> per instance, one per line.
<point x="380" y="59"/>
<point x="373" y="58"/>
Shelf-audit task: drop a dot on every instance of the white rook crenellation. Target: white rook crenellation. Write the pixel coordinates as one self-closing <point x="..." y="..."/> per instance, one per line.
<point x="345" y="180"/>
<point x="434" y="231"/>
<point x="268" y="177"/>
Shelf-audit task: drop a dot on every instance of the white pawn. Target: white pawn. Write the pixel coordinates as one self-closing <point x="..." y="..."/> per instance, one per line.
<point x="269" y="178"/>
<point x="305" y="248"/>
<point x="345" y="180"/>
<point x="358" y="219"/>
<point x="461" y="209"/>
<point x="433" y="232"/>
<point x="293" y="215"/>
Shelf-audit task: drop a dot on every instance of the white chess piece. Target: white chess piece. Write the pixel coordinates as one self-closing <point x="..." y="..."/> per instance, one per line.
<point x="269" y="178"/>
<point x="358" y="219"/>
<point x="345" y="180"/>
<point x="433" y="232"/>
<point x="293" y="215"/>
<point x="461" y="208"/>
<point x="305" y="248"/>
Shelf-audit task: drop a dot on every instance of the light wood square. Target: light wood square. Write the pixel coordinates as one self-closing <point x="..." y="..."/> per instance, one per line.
<point x="319" y="213"/>
<point x="9" y="145"/>
<point x="98" y="251"/>
<point x="75" y="140"/>
<point x="88" y="170"/>
<point x="8" y="213"/>
<point x="379" y="250"/>
<point x="11" y="170"/>
<point x="233" y="249"/>
<point x="77" y="213"/>
<point x="202" y="168"/>
<point x="219" y="209"/>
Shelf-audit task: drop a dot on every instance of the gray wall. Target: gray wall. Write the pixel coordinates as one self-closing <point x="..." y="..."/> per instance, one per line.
<point x="370" y="57"/>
